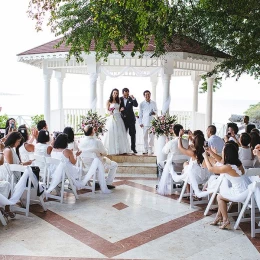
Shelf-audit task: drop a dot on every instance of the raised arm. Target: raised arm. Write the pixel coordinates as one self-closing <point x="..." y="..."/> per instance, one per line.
<point x="183" y="150"/>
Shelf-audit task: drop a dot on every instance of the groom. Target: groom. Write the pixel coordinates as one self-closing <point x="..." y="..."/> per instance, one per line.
<point x="126" y="107"/>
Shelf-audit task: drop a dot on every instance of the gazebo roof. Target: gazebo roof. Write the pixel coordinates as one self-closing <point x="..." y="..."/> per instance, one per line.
<point x="185" y="54"/>
<point x="179" y="44"/>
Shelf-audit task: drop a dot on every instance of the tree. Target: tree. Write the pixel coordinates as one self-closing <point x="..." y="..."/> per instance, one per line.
<point x="36" y="119"/>
<point x="230" y="26"/>
<point x="253" y="112"/>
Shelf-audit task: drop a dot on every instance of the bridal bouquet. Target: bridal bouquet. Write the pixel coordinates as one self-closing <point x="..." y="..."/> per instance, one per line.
<point x="163" y="125"/>
<point x="96" y="121"/>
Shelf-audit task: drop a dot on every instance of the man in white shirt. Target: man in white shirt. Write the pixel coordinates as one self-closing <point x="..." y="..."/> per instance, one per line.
<point x="147" y="110"/>
<point x="214" y="140"/>
<point x="90" y="143"/>
<point x="171" y="148"/>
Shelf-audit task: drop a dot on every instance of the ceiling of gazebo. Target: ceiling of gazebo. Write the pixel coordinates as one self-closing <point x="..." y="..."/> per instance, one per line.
<point x="186" y="55"/>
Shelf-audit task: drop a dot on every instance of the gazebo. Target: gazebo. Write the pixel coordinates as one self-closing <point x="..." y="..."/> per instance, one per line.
<point x="184" y="57"/>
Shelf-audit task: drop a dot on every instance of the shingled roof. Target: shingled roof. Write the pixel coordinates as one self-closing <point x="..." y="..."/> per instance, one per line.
<point x="179" y="44"/>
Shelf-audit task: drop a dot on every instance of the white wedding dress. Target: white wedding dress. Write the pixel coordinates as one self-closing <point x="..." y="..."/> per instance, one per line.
<point x="116" y="139"/>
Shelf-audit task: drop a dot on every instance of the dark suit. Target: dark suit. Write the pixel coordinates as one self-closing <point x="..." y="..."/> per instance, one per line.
<point x="129" y="117"/>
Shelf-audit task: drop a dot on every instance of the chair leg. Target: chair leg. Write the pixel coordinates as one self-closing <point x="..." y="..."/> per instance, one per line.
<point x="243" y="210"/>
<point x="213" y="196"/>
<point x="191" y="197"/>
<point x="183" y="190"/>
<point x="28" y="197"/>
<point x="94" y="183"/>
<point x="62" y="188"/>
<point x="2" y="219"/>
<point x="252" y="216"/>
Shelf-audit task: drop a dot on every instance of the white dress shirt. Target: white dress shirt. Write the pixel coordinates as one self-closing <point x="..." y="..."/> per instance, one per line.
<point x="145" y="109"/>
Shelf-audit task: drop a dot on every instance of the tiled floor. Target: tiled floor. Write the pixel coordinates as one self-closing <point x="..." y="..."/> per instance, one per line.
<point x="133" y="222"/>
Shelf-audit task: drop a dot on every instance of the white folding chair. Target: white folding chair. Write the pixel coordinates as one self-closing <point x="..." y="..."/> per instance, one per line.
<point x="41" y="163"/>
<point x="85" y="160"/>
<point x="247" y="163"/>
<point x="190" y="194"/>
<point x="65" y="175"/>
<point x="250" y="203"/>
<point x="32" y="184"/>
<point x="2" y="219"/>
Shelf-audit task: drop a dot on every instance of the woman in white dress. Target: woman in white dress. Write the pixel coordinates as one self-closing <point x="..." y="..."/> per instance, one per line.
<point x="116" y="139"/>
<point x="26" y="149"/>
<point x="72" y="145"/>
<point x="234" y="171"/>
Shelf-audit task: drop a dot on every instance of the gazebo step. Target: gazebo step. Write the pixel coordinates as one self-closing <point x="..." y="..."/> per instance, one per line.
<point x="137" y="168"/>
<point x="133" y="159"/>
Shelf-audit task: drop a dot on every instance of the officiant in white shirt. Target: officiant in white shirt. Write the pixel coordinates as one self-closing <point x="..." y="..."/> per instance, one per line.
<point x="147" y="110"/>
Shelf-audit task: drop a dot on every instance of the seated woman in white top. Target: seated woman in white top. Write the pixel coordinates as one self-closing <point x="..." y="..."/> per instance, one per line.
<point x="42" y="147"/>
<point x="234" y="171"/>
<point x="245" y="153"/>
<point x="26" y="150"/>
<point x="72" y="145"/>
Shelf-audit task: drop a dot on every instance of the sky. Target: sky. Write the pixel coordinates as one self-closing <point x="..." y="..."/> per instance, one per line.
<point x="18" y="34"/>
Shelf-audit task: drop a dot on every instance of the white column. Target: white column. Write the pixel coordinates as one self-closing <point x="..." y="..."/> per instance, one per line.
<point x="195" y="80"/>
<point x="154" y="81"/>
<point x="47" y="73"/>
<point x="93" y="91"/>
<point x="208" y="119"/>
<point x="166" y="81"/>
<point x="60" y="75"/>
<point x="100" y="99"/>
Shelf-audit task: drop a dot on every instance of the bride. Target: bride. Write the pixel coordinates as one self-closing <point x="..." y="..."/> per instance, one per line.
<point x="116" y="140"/>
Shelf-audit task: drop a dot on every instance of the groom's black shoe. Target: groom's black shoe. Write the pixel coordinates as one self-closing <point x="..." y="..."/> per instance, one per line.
<point x="134" y="151"/>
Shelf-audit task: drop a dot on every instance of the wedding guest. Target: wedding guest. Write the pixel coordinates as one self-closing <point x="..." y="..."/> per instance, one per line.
<point x="244" y="152"/>
<point x="26" y="149"/>
<point x="255" y="139"/>
<point x="214" y="140"/>
<point x="171" y="148"/>
<point x="11" y="151"/>
<point x="42" y="147"/>
<point x="232" y="133"/>
<point x="234" y="171"/>
<point x="72" y="144"/>
<point x="115" y="141"/>
<point x="10" y="126"/>
<point x="147" y="110"/>
<point x="255" y="130"/>
<point x="93" y="144"/>
<point x="127" y="102"/>
<point x="42" y="125"/>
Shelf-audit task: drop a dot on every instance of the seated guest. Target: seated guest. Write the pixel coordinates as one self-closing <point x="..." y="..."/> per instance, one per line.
<point x="234" y="171"/>
<point x="61" y="152"/>
<point x="214" y="140"/>
<point x="42" y="125"/>
<point x="171" y="148"/>
<point x="72" y="145"/>
<point x="255" y="130"/>
<point x="244" y="152"/>
<point x="10" y="126"/>
<point x="42" y="147"/>
<point x="232" y="133"/>
<point x="11" y="151"/>
<point x="92" y="144"/>
<point x="255" y="139"/>
<point x="26" y="149"/>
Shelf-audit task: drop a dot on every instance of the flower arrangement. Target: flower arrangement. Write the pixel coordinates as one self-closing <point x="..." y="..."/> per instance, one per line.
<point x="96" y="121"/>
<point x="163" y="125"/>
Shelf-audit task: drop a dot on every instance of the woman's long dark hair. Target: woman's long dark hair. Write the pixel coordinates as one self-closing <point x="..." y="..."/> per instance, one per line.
<point x="231" y="154"/>
<point x="198" y="145"/>
<point x="22" y="129"/>
<point x="111" y="96"/>
<point x="11" y="140"/>
<point x="69" y="131"/>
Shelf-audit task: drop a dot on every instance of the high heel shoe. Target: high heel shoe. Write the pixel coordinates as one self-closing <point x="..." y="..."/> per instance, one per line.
<point x="217" y="220"/>
<point x="225" y="225"/>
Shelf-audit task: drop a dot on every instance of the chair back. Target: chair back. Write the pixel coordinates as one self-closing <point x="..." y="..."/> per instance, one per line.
<point x="247" y="163"/>
<point x="252" y="172"/>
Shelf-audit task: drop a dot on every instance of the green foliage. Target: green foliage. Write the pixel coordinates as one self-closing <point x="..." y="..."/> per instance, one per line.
<point x="230" y="26"/>
<point x="253" y="112"/>
<point x="3" y="120"/>
<point x="36" y="119"/>
<point x="216" y="84"/>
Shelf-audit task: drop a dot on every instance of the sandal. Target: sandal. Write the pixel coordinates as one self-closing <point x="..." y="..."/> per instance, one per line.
<point x="11" y="214"/>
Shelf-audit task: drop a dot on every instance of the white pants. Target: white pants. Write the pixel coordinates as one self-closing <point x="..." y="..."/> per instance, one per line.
<point x="148" y="139"/>
<point x="112" y="167"/>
